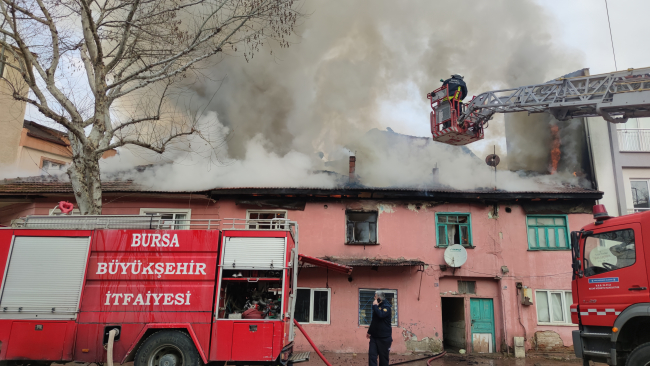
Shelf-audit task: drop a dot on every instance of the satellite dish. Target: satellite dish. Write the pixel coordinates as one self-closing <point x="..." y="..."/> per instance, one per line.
<point x="455" y="255"/>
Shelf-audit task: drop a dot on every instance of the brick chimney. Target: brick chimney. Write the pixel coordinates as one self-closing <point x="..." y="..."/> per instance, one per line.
<point x="353" y="160"/>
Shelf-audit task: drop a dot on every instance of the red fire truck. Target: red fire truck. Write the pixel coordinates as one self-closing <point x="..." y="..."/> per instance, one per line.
<point x="611" y="301"/>
<point x="145" y="289"/>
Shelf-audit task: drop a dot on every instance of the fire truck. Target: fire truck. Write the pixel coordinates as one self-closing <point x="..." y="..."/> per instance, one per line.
<point x="615" y="96"/>
<point x="150" y="290"/>
<point x="611" y="300"/>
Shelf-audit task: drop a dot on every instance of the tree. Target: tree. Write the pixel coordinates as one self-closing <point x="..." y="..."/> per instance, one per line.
<point x="126" y="50"/>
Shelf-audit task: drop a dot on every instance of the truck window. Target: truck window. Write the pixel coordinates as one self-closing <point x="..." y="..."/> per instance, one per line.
<point x="610" y="251"/>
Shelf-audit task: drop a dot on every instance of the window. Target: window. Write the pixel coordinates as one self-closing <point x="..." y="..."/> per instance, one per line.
<point x="263" y="220"/>
<point x="640" y="195"/>
<point x="50" y="166"/>
<point x="466" y="287"/>
<point x="313" y="305"/>
<point x="361" y="227"/>
<point x="172" y="219"/>
<point x="606" y="252"/>
<point x="453" y="228"/>
<point x="547" y="232"/>
<point x="367" y="296"/>
<point x="553" y="307"/>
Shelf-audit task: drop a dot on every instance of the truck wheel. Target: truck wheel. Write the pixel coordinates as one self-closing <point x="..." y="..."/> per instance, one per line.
<point x="640" y="356"/>
<point x="168" y="348"/>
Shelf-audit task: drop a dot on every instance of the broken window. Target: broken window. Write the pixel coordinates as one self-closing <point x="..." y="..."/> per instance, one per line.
<point x="547" y="232"/>
<point x="367" y="296"/>
<point x="361" y="227"/>
<point x="553" y="306"/>
<point x="466" y="287"/>
<point x="313" y="305"/>
<point x="453" y="229"/>
<point x="266" y="220"/>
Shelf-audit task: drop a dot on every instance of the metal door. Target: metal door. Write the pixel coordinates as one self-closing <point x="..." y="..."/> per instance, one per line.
<point x="253" y="253"/>
<point x="44" y="278"/>
<point x="482" y="315"/>
<point x="252" y="341"/>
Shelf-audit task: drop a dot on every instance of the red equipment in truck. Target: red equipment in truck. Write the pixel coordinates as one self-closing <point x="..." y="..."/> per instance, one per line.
<point x="156" y="292"/>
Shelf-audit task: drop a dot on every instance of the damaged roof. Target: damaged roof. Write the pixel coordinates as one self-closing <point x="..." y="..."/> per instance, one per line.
<point x="371" y="262"/>
<point x="40" y="185"/>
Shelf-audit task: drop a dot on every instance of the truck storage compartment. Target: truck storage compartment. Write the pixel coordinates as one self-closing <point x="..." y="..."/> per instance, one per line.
<point x="251" y="295"/>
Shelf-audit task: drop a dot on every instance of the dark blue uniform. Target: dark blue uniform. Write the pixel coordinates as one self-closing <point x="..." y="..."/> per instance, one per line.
<point x="381" y="333"/>
<point x="456" y="84"/>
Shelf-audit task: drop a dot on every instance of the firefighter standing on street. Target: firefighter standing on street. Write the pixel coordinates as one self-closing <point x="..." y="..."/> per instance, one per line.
<point x="380" y="331"/>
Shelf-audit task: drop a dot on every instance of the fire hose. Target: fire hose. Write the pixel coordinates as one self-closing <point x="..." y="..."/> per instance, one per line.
<point x="329" y="364"/>
<point x="109" y="346"/>
<point x="310" y="342"/>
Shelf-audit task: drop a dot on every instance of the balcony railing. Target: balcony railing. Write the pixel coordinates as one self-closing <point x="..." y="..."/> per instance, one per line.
<point x="636" y="139"/>
<point x="635" y="210"/>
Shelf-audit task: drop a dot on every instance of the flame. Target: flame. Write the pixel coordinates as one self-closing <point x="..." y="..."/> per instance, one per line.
<point x="555" y="148"/>
<point x="574" y="174"/>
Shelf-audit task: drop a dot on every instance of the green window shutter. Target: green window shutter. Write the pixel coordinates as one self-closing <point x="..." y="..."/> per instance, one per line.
<point x="547" y="232"/>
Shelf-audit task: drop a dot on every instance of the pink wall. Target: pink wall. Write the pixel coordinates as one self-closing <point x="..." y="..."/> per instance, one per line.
<point x="403" y="232"/>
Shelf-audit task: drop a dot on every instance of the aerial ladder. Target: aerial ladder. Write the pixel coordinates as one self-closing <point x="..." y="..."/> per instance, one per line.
<point x="615" y="96"/>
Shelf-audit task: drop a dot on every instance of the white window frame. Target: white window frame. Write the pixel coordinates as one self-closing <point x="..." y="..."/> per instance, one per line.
<point x="647" y="182"/>
<point x="567" y="310"/>
<point x="394" y="292"/>
<point x="252" y="222"/>
<point x="162" y="211"/>
<point x="311" y="304"/>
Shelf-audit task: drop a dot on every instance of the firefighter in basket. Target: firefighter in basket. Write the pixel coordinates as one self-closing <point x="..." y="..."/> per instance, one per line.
<point x="457" y="91"/>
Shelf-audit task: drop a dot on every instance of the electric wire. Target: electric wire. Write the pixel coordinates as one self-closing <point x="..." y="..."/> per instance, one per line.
<point x="610" y="35"/>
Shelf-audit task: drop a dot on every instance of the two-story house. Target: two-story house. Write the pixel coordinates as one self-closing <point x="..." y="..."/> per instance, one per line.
<point x="515" y="282"/>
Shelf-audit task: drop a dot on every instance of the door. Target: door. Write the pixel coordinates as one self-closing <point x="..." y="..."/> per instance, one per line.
<point x="252" y="341"/>
<point x="482" y="323"/>
<point x="614" y="274"/>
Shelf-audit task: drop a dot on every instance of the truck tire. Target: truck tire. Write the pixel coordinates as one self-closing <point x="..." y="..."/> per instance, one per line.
<point x="168" y="348"/>
<point x="640" y="356"/>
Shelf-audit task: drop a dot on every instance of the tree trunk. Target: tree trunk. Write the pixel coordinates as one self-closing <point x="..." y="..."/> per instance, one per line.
<point x="86" y="183"/>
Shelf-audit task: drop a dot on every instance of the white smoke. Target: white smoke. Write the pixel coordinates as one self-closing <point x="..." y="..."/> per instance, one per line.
<point x="354" y="67"/>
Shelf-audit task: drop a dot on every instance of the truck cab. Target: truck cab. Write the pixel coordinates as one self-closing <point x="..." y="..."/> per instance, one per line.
<point x="611" y="300"/>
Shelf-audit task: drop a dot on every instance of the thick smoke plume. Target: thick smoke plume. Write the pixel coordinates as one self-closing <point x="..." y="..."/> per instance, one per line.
<point x="355" y="70"/>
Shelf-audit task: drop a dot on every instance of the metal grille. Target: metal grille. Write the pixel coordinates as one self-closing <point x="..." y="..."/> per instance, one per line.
<point x="44" y="277"/>
<point x="366" y="297"/>
<point x="111" y="222"/>
<point x="254" y="253"/>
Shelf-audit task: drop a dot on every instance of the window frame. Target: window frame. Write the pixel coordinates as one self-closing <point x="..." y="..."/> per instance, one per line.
<point x="51" y="161"/>
<point x="567" y="240"/>
<point x="469" y="228"/>
<point x="250" y="222"/>
<point x="395" y="308"/>
<point x="174" y="211"/>
<point x="311" y="304"/>
<point x="565" y="308"/>
<point x="647" y="182"/>
<point x="345" y="232"/>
